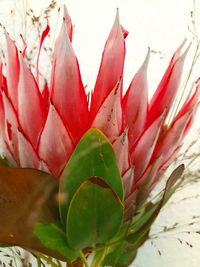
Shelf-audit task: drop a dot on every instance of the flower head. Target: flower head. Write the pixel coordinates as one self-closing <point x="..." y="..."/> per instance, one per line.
<point x="40" y="127"/>
<point x="107" y="151"/>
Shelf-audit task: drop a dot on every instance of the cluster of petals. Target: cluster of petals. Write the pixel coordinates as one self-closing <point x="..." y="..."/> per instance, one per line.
<point x="40" y="127"/>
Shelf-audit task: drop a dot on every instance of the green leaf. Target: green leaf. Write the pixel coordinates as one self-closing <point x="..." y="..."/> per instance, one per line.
<point x="93" y="156"/>
<point x="120" y="255"/>
<point x="123" y="253"/>
<point x="4" y="245"/>
<point x="95" y="215"/>
<point x="141" y="226"/>
<point x="27" y="197"/>
<point x="53" y="237"/>
<point x="4" y="162"/>
<point x="98" y="257"/>
<point x="127" y="256"/>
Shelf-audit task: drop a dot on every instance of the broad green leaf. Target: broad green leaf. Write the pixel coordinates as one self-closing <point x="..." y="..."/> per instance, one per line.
<point x="95" y="215"/>
<point x="120" y="255"/>
<point x="27" y="197"/>
<point x="98" y="257"/>
<point x="4" y="245"/>
<point x="53" y="237"/>
<point x="127" y="256"/>
<point x="93" y="156"/>
<point x="141" y="226"/>
<point x="4" y="162"/>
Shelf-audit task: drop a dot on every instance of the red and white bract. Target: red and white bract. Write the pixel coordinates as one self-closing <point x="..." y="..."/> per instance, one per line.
<point x="40" y="127"/>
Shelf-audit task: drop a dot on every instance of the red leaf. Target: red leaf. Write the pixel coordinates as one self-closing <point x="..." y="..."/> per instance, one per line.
<point x="67" y="91"/>
<point x="68" y="23"/>
<point x="128" y="180"/>
<point x="165" y="94"/>
<point x="142" y="151"/>
<point x="109" y="117"/>
<point x="135" y="103"/>
<point x="121" y="148"/>
<point x="170" y="141"/>
<point x="44" y="35"/>
<point x="12" y="71"/>
<point x="111" y="68"/>
<point x="11" y="126"/>
<point x="27" y="155"/>
<point x="190" y="103"/>
<point x="31" y="109"/>
<point x="55" y="145"/>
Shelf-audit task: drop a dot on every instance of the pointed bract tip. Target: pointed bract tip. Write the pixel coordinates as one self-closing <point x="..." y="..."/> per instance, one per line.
<point x="146" y="60"/>
<point x="6" y="34"/>
<point x="20" y="57"/>
<point x="65" y="11"/>
<point x="183" y="56"/>
<point x="117" y="23"/>
<point x="64" y="27"/>
<point x="117" y="11"/>
<point x="188" y="48"/>
<point x="183" y="43"/>
<point x="197" y="81"/>
<point x="178" y="51"/>
<point x="117" y="20"/>
<point x="149" y="51"/>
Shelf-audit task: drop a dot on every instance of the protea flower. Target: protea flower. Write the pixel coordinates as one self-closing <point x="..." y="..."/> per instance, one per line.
<point x="41" y="127"/>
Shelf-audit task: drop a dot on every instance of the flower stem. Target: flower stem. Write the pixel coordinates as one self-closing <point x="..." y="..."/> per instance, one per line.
<point x="39" y="262"/>
<point x="83" y="258"/>
<point x="47" y="259"/>
<point x="98" y="258"/>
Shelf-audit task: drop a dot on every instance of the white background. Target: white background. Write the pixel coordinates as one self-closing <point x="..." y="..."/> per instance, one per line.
<point x="160" y="25"/>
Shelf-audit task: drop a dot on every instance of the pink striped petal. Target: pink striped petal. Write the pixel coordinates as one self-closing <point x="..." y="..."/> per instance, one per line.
<point x="43" y="37"/>
<point x="190" y="103"/>
<point x="55" y="145"/>
<point x="45" y="96"/>
<point x="2" y="121"/>
<point x="135" y="103"/>
<point x="31" y="109"/>
<point x="2" y="117"/>
<point x="11" y="127"/>
<point x="43" y="167"/>
<point x="171" y="140"/>
<point x="124" y="31"/>
<point x="127" y="181"/>
<point x="12" y="71"/>
<point x="148" y="177"/>
<point x="67" y="91"/>
<point x="142" y="151"/>
<point x="3" y="80"/>
<point x="27" y="155"/>
<point x="111" y="68"/>
<point x="109" y="117"/>
<point x="166" y="92"/>
<point x="121" y="148"/>
<point x="24" y="46"/>
<point x="4" y="147"/>
<point x="68" y="23"/>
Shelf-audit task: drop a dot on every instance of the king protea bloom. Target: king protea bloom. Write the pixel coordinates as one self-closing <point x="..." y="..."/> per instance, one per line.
<point x="40" y="127"/>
